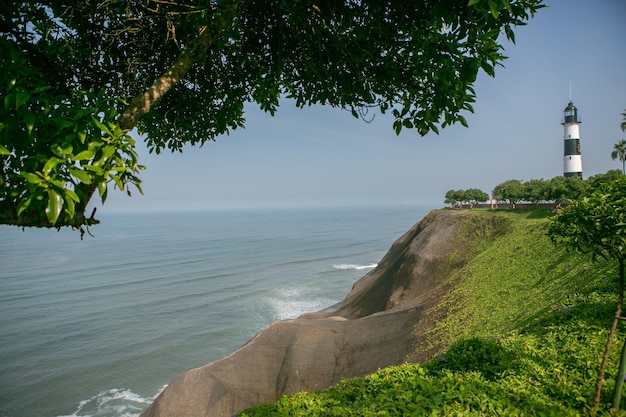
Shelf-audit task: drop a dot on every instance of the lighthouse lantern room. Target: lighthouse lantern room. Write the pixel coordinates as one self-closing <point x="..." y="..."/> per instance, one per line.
<point x="572" y="159"/>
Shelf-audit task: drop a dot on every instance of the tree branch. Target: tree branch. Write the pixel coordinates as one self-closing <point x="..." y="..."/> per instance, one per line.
<point x="191" y="54"/>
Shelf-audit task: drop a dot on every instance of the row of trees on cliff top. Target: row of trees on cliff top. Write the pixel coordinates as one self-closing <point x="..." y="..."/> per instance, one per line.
<point x="78" y="76"/>
<point x="553" y="190"/>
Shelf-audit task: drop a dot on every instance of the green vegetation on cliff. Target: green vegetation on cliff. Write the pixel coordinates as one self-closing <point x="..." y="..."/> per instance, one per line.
<point x="524" y="328"/>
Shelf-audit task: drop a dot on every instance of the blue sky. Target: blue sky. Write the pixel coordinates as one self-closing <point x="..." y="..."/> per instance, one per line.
<point x="322" y="156"/>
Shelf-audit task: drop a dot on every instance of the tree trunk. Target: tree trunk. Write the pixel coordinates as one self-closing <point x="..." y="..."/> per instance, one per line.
<point x="619" y="378"/>
<point x="609" y="342"/>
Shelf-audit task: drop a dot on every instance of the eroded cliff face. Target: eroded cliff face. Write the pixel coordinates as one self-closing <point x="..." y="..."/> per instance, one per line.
<point x="379" y="323"/>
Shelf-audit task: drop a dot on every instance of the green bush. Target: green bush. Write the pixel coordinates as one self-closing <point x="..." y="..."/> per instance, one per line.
<point x="484" y="356"/>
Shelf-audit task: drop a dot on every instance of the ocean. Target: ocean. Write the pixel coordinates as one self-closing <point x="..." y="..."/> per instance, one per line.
<point x="99" y="327"/>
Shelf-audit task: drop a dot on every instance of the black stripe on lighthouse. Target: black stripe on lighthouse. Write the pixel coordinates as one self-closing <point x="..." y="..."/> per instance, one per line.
<point x="572" y="147"/>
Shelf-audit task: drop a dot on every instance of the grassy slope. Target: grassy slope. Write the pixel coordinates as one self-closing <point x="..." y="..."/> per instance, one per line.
<point x="526" y="324"/>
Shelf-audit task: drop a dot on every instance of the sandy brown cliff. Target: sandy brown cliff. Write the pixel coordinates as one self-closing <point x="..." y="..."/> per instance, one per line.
<point x="380" y="323"/>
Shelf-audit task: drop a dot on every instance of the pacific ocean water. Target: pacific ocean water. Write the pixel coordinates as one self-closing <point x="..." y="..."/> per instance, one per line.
<point x="99" y="327"/>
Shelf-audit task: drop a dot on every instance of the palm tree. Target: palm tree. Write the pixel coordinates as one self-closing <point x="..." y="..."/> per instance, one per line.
<point x="624" y="122"/>
<point x="620" y="152"/>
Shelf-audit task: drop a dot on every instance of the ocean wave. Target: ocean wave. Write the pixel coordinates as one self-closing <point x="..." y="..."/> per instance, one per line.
<point x="116" y="402"/>
<point x="355" y="266"/>
<point x="290" y="302"/>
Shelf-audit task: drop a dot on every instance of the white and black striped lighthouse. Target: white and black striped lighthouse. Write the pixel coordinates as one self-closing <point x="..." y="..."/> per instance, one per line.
<point x="572" y="159"/>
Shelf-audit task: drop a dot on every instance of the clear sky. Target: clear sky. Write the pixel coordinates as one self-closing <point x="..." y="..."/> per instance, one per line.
<point x="322" y="156"/>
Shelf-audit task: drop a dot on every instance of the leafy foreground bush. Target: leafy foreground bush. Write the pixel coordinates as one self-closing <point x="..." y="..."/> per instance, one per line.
<point x="526" y="338"/>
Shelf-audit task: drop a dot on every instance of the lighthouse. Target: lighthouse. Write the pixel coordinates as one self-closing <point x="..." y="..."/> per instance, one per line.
<point x="572" y="160"/>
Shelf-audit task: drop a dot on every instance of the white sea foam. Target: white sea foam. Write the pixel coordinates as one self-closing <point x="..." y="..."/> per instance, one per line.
<point x="290" y="302"/>
<point x="116" y="402"/>
<point x="355" y="266"/>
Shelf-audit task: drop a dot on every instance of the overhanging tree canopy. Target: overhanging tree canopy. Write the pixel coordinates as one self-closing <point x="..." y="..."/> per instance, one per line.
<point x="79" y="75"/>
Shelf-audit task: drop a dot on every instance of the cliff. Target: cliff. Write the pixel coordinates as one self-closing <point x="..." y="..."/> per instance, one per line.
<point x="381" y="322"/>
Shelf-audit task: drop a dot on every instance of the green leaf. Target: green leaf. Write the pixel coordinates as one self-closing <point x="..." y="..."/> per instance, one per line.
<point x="62" y="122"/>
<point x="488" y="68"/>
<point x="102" y="190"/>
<point x="118" y="181"/>
<point x="21" y="99"/>
<point x="7" y="101"/>
<point x="24" y="205"/>
<point x="102" y="126"/>
<point x="57" y="150"/>
<point x="397" y="126"/>
<point x="108" y="151"/>
<point x="4" y="151"/>
<point x="95" y="169"/>
<point x="72" y="196"/>
<point x="51" y="164"/>
<point x="29" y="121"/>
<point x="85" y="155"/>
<point x="70" y="208"/>
<point x="131" y="141"/>
<point x="55" y="204"/>
<point x="32" y="178"/>
<point x="510" y="35"/>
<point x="82" y="176"/>
<point x="494" y="7"/>
<point x="82" y="134"/>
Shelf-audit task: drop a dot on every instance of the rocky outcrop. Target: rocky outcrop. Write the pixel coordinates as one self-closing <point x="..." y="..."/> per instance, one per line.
<point x="380" y="323"/>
